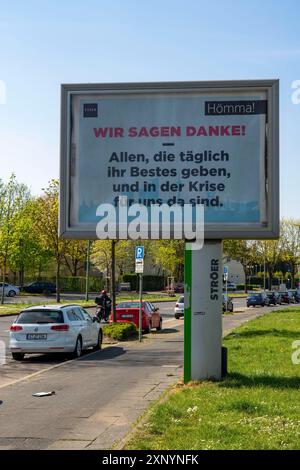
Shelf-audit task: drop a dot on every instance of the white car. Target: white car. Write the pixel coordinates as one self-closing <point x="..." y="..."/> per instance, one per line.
<point x="179" y="307"/>
<point x="9" y="290"/>
<point x="54" y="329"/>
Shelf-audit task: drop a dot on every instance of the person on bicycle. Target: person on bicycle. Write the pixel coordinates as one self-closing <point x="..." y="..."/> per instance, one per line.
<point x="104" y="302"/>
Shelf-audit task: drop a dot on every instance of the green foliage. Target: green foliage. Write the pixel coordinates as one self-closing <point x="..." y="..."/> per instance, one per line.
<point x="249" y="286"/>
<point x="169" y="254"/>
<point x="78" y="283"/>
<point x="120" y="331"/>
<point x="151" y="283"/>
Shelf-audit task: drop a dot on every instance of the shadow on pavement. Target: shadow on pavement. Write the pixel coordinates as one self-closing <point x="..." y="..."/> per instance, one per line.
<point x="165" y="331"/>
<point x="107" y="353"/>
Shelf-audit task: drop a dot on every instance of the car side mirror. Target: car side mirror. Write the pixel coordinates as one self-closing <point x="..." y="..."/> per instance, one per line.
<point x="156" y="309"/>
<point x="94" y="319"/>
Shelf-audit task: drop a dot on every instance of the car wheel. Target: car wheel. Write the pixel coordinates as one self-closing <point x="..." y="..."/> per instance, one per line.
<point x="177" y="317"/>
<point x="160" y="325"/>
<point x="11" y="293"/>
<point x="78" y="348"/>
<point x="18" y="356"/>
<point x="99" y="343"/>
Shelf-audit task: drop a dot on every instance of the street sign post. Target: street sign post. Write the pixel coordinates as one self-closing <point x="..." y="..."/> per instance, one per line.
<point x="139" y="269"/>
<point x="225" y="274"/>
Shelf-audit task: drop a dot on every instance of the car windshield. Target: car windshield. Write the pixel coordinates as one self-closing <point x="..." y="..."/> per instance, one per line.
<point x="128" y="305"/>
<point x="181" y="300"/>
<point x="40" y="316"/>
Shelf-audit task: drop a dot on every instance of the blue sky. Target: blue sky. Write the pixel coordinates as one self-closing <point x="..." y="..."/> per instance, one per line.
<point x="45" y="43"/>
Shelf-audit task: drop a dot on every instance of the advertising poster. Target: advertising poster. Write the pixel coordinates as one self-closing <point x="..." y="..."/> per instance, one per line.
<point x="170" y="148"/>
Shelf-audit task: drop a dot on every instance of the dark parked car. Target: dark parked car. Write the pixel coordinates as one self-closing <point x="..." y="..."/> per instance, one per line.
<point x="274" y="298"/>
<point x="227" y="304"/>
<point x="261" y="299"/>
<point x="287" y="297"/>
<point x="297" y="296"/>
<point x="40" y="287"/>
<point x="231" y="286"/>
<point x="179" y="288"/>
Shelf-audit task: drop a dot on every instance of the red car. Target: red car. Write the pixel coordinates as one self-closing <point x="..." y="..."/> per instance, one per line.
<point x="129" y="312"/>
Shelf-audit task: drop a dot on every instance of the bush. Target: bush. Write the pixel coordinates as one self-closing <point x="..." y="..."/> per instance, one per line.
<point x="249" y="286"/>
<point x="77" y="284"/>
<point x="150" y="282"/>
<point x="120" y="331"/>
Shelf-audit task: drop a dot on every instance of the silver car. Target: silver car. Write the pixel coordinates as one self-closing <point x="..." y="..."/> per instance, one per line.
<point x="54" y="329"/>
<point x="9" y="290"/>
<point x="179" y="307"/>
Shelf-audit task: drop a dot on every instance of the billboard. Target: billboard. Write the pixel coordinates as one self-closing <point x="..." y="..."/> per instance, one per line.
<point x="210" y="143"/>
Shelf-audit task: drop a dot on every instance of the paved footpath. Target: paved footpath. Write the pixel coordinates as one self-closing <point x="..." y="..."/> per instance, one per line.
<point x="99" y="397"/>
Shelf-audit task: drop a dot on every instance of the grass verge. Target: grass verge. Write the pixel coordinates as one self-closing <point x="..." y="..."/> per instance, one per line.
<point x="257" y="406"/>
<point x="17" y="307"/>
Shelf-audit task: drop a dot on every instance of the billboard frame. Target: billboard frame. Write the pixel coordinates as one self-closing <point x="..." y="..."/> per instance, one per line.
<point x="213" y="231"/>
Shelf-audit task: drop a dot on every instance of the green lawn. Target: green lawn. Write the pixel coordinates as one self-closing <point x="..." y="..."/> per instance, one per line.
<point x="17" y="307"/>
<point x="257" y="406"/>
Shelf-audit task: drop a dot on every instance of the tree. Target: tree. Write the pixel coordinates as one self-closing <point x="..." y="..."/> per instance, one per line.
<point x="270" y="253"/>
<point x="13" y="197"/>
<point x="101" y="256"/>
<point x="124" y="256"/>
<point x="27" y="250"/>
<point x="290" y="235"/>
<point x="75" y="255"/>
<point x="170" y="255"/>
<point x="47" y="224"/>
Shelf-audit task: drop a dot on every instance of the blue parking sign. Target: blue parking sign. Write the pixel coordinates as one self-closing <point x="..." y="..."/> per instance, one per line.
<point x="225" y="270"/>
<point x="139" y="252"/>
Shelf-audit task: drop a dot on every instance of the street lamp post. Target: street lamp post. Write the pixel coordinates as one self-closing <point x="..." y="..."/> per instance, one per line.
<point x="87" y="273"/>
<point x="264" y="267"/>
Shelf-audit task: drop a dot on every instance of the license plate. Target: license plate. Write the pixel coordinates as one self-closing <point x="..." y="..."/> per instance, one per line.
<point x="36" y="336"/>
<point x="127" y="316"/>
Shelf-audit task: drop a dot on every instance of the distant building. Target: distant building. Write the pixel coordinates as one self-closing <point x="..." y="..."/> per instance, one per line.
<point x="236" y="271"/>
